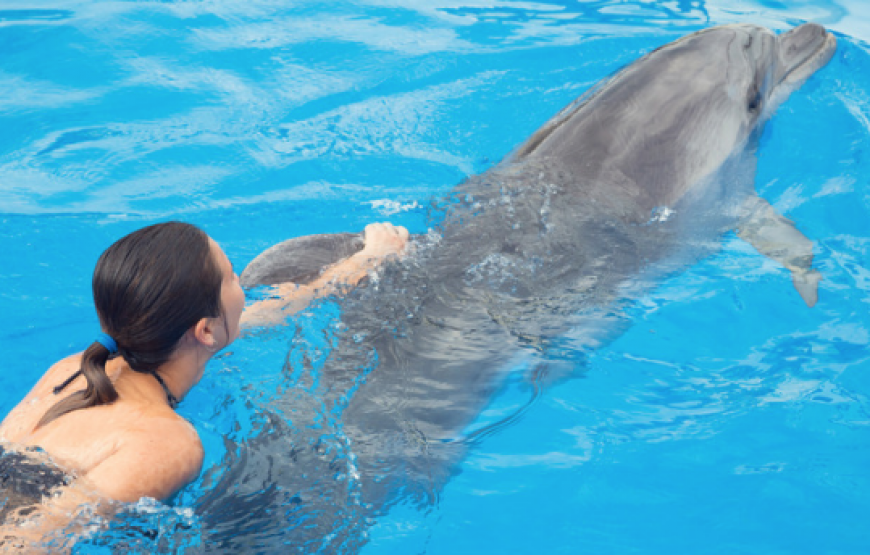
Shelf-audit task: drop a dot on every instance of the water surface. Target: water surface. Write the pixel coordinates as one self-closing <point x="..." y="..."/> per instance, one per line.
<point x="726" y="418"/>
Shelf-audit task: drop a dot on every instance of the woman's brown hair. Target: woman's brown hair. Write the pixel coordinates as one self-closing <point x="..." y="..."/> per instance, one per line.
<point x="150" y="287"/>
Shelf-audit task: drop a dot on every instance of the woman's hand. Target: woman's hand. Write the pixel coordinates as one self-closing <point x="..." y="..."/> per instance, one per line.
<point x="383" y="240"/>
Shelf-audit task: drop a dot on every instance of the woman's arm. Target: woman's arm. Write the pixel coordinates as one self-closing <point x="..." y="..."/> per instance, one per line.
<point x="382" y="241"/>
<point x="52" y="527"/>
<point x="156" y="463"/>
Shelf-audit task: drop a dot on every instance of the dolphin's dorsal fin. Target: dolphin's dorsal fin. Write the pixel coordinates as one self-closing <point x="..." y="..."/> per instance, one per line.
<point x="776" y="237"/>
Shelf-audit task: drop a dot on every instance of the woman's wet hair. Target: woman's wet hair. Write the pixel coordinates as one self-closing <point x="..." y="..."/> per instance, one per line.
<point x="150" y="288"/>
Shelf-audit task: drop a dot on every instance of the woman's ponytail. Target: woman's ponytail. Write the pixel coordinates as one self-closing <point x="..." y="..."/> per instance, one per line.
<point x="99" y="389"/>
<point x="150" y="287"/>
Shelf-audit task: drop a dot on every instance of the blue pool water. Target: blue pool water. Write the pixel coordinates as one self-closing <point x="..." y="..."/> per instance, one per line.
<point x="727" y="418"/>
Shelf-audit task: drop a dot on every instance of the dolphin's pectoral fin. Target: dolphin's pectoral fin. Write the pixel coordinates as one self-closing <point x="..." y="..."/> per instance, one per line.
<point x="807" y="284"/>
<point x="776" y="237"/>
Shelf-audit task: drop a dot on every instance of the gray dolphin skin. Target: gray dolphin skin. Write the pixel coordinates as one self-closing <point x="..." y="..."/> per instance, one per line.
<point x="300" y="260"/>
<point x="529" y="265"/>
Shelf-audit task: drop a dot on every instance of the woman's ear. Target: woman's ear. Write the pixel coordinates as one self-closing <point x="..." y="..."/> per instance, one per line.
<point x="203" y="333"/>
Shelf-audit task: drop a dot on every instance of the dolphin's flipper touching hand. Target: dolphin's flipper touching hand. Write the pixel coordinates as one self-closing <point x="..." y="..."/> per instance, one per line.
<point x="776" y="237"/>
<point x="301" y="259"/>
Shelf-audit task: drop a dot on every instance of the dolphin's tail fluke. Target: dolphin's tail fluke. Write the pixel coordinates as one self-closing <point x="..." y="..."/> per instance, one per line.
<point x="807" y="284"/>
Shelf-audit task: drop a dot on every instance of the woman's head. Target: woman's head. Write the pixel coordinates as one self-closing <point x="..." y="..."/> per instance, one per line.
<point x="150" y="288"/>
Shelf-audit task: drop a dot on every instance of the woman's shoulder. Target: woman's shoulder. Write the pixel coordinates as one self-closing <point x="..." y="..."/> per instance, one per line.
<point x="21" y="420"/>
<point x="155" y="459"/>
<point x="171" y="430"/>
<point x="57" y="373"/>
<point x="73" y="361"/>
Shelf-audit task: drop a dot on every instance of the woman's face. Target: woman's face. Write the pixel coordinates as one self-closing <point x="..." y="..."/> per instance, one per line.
<point x="232" y="296"/>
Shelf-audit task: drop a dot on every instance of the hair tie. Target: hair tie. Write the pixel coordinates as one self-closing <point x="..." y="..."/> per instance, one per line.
<point x="106" y="341"/>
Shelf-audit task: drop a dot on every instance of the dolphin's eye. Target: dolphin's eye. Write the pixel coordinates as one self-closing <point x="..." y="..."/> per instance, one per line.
<point x="755" y="101"/>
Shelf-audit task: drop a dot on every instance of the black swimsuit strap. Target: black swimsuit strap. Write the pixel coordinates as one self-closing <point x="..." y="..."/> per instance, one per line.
<point x="170" y="398"/>
<point x="67" y="381"/>
<point x="58" y="388"/>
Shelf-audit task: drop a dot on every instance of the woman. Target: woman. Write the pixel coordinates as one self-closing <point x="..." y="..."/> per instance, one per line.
<point x="167" y="300"/>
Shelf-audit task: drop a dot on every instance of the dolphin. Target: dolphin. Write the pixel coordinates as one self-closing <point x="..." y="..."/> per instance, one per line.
<point x="526" y="262"/>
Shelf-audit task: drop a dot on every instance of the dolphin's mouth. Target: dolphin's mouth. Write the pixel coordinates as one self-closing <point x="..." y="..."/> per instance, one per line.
<point x="804" y="50"/>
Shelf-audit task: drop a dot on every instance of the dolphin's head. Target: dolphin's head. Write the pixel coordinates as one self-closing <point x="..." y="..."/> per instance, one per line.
<point x="762" y="69"/>
<point x="676" y="115"/>
<point x="743" y="70"/>
<point x="716" y="87"/>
